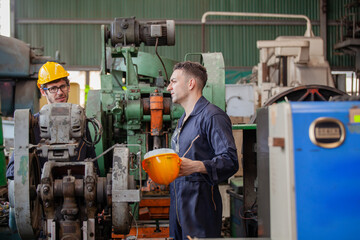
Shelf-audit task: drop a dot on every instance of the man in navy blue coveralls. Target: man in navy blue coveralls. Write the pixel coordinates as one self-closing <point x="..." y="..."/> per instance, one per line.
<point x="204" y="141"/>
<point x="54" y="85"/>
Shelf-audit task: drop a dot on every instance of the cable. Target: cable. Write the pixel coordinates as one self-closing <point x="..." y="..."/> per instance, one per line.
<point x="98" y="132"/>
<point x="157" y="54"/>
<point x="114" y="146"/>
<point x="105" y="152"/>
<point x="249" y="211"/>
<point x="134" y="165"/>
<point x="136" y="225"/>
<point x="246" y="218"/>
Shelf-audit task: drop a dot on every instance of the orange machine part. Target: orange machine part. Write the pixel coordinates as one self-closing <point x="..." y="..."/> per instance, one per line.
<point x="154" y="208"/>
<point x="146" y="232"/>
<point x="156" y="112"/>
<point x="150" y="208"/>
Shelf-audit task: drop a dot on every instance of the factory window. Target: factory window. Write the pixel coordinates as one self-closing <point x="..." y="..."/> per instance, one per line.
<point x="5" y="18"/>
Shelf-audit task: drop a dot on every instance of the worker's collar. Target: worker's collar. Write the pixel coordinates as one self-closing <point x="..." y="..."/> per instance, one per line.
<point x="201" y="103"/>
<point x="199" y="106"/>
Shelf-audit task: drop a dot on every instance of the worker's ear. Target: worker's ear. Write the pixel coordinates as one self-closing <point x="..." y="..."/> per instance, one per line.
<point x="42" y="92"/>
<point x="192" y="83"/>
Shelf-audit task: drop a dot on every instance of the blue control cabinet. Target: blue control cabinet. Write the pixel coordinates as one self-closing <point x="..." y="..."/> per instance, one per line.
<point x="314" y="152"/>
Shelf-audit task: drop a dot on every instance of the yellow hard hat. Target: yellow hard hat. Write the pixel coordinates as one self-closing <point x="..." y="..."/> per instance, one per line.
<point x="49" y="72"/>
<point x="162" y="165"/>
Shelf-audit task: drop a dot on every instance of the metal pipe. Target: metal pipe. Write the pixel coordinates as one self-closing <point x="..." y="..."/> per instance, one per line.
<point x="255" y="22"/>
<point x="147" y="118"/>
<point x="308" y="32"/>
<point x="341" y="30"/>
<point x="354" y="24"/>
<point x="64" y="21"/>
<point x="323" y="24"/>
<point x="203" y="37"/>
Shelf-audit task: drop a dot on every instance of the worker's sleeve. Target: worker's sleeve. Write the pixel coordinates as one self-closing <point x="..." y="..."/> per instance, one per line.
<point x="225" y="163"/>
<point x="10" y="168"/>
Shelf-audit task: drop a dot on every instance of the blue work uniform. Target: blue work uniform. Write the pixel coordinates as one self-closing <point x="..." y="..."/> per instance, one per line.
<point x="84" y="151"/>
<point x="196" y="206"/>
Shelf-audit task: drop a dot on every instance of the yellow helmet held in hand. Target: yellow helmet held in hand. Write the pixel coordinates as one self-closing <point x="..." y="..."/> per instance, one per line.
<point x="49" y="72"/>
<point x="162" y="165"/>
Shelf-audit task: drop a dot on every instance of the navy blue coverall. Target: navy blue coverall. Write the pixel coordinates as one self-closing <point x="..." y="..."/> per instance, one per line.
<point x="84" y="151"/>
<point x="196" y="206"/>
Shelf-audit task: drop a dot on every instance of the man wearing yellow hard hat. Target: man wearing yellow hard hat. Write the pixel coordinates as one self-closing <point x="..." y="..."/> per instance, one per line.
<point x="54" y="84"/>
<point x="204" y="141"/>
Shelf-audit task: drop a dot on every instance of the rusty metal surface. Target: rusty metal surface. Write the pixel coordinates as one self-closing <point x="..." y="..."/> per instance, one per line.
<point x="89" y="229"/>
<point x="22" y="179"/>
<point x="70" y="230"/>
<point x="69" y="188"/>
<point x="156" y="111"/>
<point x="148" y="230"/>
<point x="120" y="210"/>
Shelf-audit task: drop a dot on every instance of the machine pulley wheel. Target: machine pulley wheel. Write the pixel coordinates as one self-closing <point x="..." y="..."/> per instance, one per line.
<point x="305" y="93"/>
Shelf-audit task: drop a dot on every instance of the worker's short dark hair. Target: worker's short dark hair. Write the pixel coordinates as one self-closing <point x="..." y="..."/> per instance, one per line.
<point x="58" y="80"/>
<point x="195" y="70"/>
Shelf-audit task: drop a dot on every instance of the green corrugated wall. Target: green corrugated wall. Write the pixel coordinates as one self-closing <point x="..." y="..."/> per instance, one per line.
<point x="79" y="44"/>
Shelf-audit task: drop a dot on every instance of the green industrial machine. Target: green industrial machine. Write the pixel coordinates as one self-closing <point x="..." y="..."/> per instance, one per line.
<point x="129" y="79"/>
<point x="133" y="87"/>
<point x="133" y="105"/>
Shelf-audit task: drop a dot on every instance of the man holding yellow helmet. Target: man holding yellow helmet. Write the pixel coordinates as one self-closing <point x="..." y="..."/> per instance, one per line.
<point x="54" y="84"/>
<point x="203" y="139"/>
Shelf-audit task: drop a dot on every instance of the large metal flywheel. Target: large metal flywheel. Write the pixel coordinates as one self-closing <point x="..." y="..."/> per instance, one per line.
<point x="305" y="93"/>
